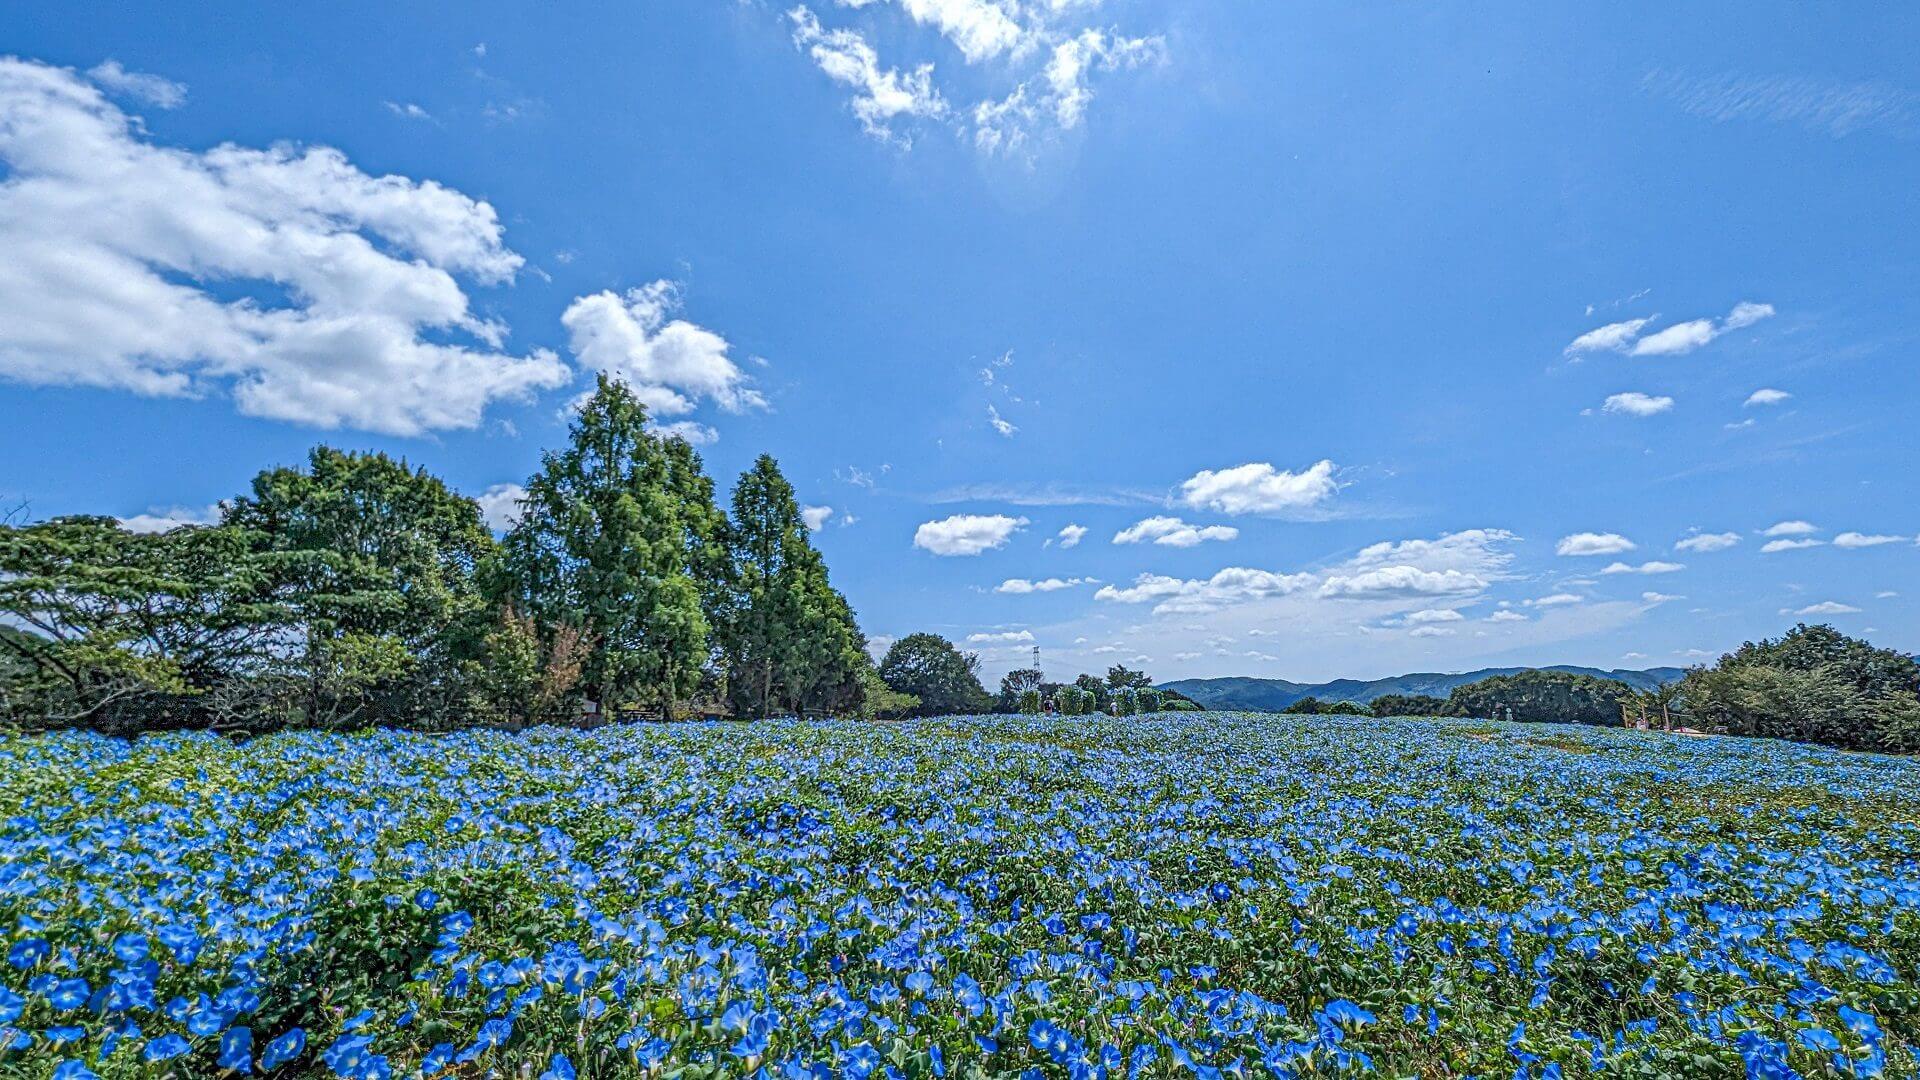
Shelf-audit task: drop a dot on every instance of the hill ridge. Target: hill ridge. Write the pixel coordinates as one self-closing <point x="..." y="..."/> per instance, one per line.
<point x="1248" y="692"/>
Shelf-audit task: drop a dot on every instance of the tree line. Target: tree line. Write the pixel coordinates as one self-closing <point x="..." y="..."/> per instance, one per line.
<point x="359" y="590"/>
<point x="1813" y="684"/>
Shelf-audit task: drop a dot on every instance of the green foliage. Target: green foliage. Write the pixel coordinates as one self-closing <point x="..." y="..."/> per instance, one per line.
<point x="602" y="545"/>
<point x="1408" y="705"/>
<point x="1014" y="686"/>
<point x="928" y="666"/>
<point x="1031" y="703"/>
<point x="1073" y="701"/>
<point x="1096" y="688"/>
<point x="878" y="701"/>
<point x="1559" y="697"/>
<point x="1122" y="702"/>
<point x="1121" y="677"/>
<point x="1813" y="684"/>
<point x="788" y="636"/>
<point x="1146" y="699"/>
<point x="124" y="631"/>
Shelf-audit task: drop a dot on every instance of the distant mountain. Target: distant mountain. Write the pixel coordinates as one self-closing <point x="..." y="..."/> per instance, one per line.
<point x="1272" y="695"/>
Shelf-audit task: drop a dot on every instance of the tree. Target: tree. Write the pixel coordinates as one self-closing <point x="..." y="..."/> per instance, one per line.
<point x="122" y="631"/>
<point x="1560" y="697"/>
<point x="1408" y="705"/>
<point x="787" y="635"/>
<point x="379" y="564"/>
<point x="1096" y="688"/>
<point x="1306" y="706"/>
<point x="1120" y="677"/>
<point x="602" y="546"/>
<point x="928" y="666"/>
<point x="1812" y="684"/>
<point x="878" y="701"/>
<point x="1016" y="683"/>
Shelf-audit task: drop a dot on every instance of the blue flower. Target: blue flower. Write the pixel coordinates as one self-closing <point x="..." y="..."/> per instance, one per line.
<point x="25" y="954"/>
<point x="283" y="1049"/>
<point x="236" y="1050"/>
<point x="73" y="1070"/>
<point x="166" y="1048"/>
<point x="131" y="948"/>
<point x="559" y="1069"/>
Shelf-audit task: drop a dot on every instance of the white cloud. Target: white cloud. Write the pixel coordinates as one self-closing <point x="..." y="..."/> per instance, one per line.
<point x="1433" y="615"/>
<point x="1506" y="616"/>
<point x="1006" y="637"/>
<point x="1828" y="607"/>
<point x="880" y="94"/>
<point x="967" y="534"/>
<point x="500" y="505"/>
<point x="1022" y="586"/>
<point x="1654" y="567"/>
<point x="1834" y="109"/>
<point x="669" y="363"/>
<point x="124" y="261"/>
<point x="1707" y="542"/>
<point x="157" y="520"/>
<point x="691" y="432"/>
<point x="1071" y="535"/>
<point x="1173" y="532"/>
<point x="1659" y="598"/>
<point x="161" y="93"/>
<point x="1613" y="337"/>
<point x="1588" y="543"/>
<point x="1430" y="631"/>
<point x="1682" y="338"/>
<point x="1000" y="424"/>
<point x="1476" y="551"/>
<point x="1401" y="581"/>
<point x="1555" y="600"/>
<point x="815" y="517"/>
<point x="1766" y="396"/>
<point x="1885" y="594"/>
<point x="1790" y="528"/>
<point x="1772" y="546"/>
<point x="1635" y="403"/>
<point x="1259" y="488"/>
<point x="1233" y="585"/>
<point x="408" y="111"/>
<point x="1861" y="540"/>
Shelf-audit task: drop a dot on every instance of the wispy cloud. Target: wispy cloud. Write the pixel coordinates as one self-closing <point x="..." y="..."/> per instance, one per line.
<point x="1836" y="109"/>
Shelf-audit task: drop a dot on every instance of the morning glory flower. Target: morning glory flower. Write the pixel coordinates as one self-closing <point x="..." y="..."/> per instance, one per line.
<point x="283" y="1049"/>
<point x="165" y="1048"/>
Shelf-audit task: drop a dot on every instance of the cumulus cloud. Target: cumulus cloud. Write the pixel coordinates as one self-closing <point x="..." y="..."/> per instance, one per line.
<point x="690" y="432"/>
<point x="816" y="517"/>
<point x="1060" y="94"/>
<point x="1071" y="535"/>
<point x="1766" y="396"/>
<point x="1555" y="600"/>
<point x="671" y="364"/>
<point x="1023" y="586"/>
<point x="1433" y="615"/>
<point x="159" y="520"/>
<point x="309" y="290"/>
<point x="1430" y="631"/>
<point x="967" y="534"/>
<point x="1478" y="551"/>
<point x="155" y="90"/>
<point x="880" y="94"/>
<point x="1635" y="403"/>
<point x="1613" y="337"/>
<point x="1790" y="528"/>
<point x="1862" y="540"/>
<point x="1172" y="532"/>
<point x="1401" y="581"/>
<point x="1654" y="567"/>
<point x="501" y="505"/>
<point x="1004" y="637"/>
<point x="1233" y="585"/>
<point x="1506" y="616"/>
<point x="1707" y="542"/>
<point x="1682" y="337"/>
<point x="1259" y="488"/>
<point x="1773" y="546"/>
<point x="1588" y="543"/>
<point x="1828" y="607"/>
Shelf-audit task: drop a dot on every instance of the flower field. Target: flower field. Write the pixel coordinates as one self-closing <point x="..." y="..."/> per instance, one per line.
<point x="1196" y="896"/>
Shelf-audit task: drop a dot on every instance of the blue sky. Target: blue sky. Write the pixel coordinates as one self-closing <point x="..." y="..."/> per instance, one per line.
<point x="1356" y="341"/>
